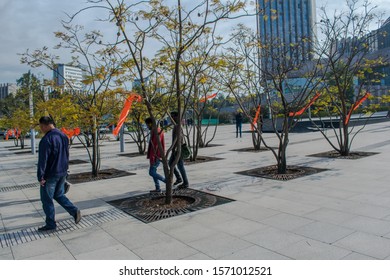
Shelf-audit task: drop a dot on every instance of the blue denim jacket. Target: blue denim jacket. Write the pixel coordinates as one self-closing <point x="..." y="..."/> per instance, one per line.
<point x="53" y="157"/>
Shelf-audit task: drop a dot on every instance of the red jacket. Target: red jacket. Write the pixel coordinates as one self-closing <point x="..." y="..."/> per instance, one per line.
<point x="154" y="152"/>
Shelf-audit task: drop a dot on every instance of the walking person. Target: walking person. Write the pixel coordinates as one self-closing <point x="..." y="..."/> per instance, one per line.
<point x="179" y="170"/>
<point x="239" y="118"/>
<point x="53" y="161"/>
<point x="154" y="154"/>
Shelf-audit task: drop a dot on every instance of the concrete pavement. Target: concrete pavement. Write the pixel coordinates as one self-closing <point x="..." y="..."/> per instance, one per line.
<point x="341" y="213"/>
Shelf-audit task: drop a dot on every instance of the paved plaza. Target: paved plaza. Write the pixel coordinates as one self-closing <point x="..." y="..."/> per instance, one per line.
<point x="341" y="213"/>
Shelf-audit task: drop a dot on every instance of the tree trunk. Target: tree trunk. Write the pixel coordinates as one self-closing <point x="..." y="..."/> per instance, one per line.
<point x="95" y="150"/>
<point x="345" y="142"/>
<point x="256" y="140"/>
<point x="282" y="153"/>
<point x="22" y="142"/>
<point x="168" y="186"/>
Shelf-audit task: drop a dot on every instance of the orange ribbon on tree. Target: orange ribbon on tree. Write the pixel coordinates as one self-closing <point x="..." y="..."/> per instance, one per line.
<point x="256" y="118"/>
<point x="125" y="111"/>
<point x="71" y="132"/>
<point x="355" y="106"/>
<point x="300" y="112"/>
<point x="204" y="99"/>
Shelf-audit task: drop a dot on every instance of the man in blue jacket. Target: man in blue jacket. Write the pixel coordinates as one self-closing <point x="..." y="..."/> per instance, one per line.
<point x="52" y="171"/>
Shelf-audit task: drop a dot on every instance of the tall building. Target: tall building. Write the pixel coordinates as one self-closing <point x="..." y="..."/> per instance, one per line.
<point x="68" y="77"/>
<point x="384" y="35"/>
<point x="288" y="25"/>
<point x="7" y="89"/>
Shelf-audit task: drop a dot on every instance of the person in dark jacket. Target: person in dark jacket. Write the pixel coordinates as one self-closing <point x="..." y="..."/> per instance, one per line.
<point x="53" y="160"/>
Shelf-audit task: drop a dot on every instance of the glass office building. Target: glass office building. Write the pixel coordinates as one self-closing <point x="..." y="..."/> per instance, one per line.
<point x="287" y="24"/>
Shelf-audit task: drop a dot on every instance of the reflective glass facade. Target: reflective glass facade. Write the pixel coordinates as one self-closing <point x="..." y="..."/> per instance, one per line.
<point x="287" y="23"/>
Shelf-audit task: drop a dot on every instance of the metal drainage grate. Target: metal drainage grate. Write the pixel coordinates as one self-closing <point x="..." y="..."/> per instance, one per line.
<point x="352" y="155"/>
<point x="19" y="187"/>
<point x="32" y="234"/>
<point x="139" y="206"/>
<point x="271" y="172"/>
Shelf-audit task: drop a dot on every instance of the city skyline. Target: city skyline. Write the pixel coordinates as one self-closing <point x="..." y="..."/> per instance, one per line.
<point x="31" y="25"/>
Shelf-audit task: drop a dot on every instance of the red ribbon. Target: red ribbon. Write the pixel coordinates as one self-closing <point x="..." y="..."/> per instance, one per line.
<point x="125" y="111"/>
<point x="256" y="118"/>
<point x="355" y="106"/>
<point x="300" y="112"/>
<point x="71" y="132"/>
<point x="204" y="99"/>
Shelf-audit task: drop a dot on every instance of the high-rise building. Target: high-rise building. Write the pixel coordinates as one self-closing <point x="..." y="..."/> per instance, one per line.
<point x="288" y="27"/>
<point x="384" y="35"/>
<point x="68" y="77"/>
<point x="7" y="89"/>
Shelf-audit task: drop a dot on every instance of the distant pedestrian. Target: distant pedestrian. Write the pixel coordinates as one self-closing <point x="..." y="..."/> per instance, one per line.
<point x="239" y="118"/>
<point x="181" y="175"/>
<point x="154" y="154"/>
<point x="53" y="161"/>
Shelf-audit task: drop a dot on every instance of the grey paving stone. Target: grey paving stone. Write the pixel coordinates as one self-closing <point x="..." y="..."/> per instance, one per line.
<point x="254" y="253"/>
<point x="116" y="252"/>
<point x="313" y="250"/>
<point x="198" y="256"/>
<point x="5" y="251"/>
<point x="357" y="256"/>
<point x="324" y="232"/>
<point x="211" y="216"/>
<point x="8" y="256"/>
<point x="330" y="216"/>
<point x="188" y="232"/>
<point x="91" y="239"/>
<point x="36" y="248"/>
<point x="369" y="225"/>
<point x="239" y="227"/>
<point x="248" y="211"/>
<point x="284" y="205"/>
<point x="380" y="200"/>
<point x="219" y="246"/>
<point x="359" y="208"/>
<point x="366" y="244"/>
<point x="138" y="236"/>
<point x="272" y="238"/>
<point x="62" y="254"/>
<point x="172" y="249"/>
<point x="286" y="221"/>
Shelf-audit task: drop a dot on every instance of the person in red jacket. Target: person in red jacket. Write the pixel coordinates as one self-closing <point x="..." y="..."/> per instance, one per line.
<point x="154" y="154"/>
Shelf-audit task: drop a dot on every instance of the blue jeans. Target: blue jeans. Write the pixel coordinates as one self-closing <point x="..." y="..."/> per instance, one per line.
<point x="54" y="189"/>
<point x="180" y="174"/>
<point x="156" y="177"/>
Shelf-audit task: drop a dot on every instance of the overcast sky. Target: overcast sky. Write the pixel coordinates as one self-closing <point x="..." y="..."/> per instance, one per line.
<point x="29" y="24"/>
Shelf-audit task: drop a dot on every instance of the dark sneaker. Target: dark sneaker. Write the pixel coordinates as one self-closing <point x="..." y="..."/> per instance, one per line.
<point x="77" y="217"/>
<point x="46" y="228"/>
<point x="178" y="182"/>
<point x="182" y="187"/>
<point x="155" y="191"/>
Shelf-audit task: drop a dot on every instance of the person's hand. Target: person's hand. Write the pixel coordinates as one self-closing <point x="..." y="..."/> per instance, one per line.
<point x="42" y="182"/>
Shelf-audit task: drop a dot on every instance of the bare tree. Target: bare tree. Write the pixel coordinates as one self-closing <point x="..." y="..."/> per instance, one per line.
<point x="285" y="85"/>
<point x="176" y="27"/>
<point x="101" y="68"/>
<point x="244" y="57"/>
<point x="348" y="68"/>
